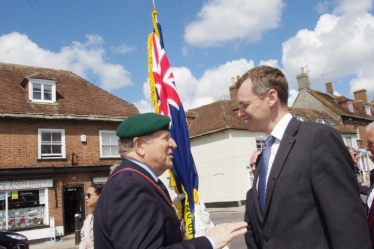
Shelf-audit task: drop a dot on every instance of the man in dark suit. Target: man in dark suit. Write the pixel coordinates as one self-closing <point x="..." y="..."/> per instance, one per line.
<point x="134" y="209"/>
<point x="309" y="196"/>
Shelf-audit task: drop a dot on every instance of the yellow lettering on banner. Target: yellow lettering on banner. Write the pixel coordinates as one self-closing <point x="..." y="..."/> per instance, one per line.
<point x="188" y="216"/>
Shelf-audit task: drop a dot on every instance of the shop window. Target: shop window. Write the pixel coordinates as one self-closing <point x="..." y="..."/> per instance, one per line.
<point x="42" y="91"/>
<point x="108" y="144"/>
<point x="51" y="143"/>
<point x="22" y="209"/>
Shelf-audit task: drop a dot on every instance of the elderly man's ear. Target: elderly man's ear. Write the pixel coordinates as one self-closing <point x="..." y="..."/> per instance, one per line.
<point x="139" y="146"/>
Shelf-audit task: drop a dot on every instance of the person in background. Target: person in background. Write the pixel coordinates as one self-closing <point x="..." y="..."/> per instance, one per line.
<point x="252" y="236"/>
<point x="369" y="201"/>
<point x="87" y="235"/>
<point x="358" y="170"/>
<point x="305" y="192"/>
<point x="135" y="209"/>
<point x="253" y="160"/>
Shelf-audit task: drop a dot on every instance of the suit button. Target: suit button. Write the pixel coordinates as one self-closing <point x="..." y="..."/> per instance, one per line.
<point x="266" y="239"/>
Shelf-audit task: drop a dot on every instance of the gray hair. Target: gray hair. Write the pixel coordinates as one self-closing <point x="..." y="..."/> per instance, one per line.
<point x="369" y="126"/>
<point x="125" y="146"/>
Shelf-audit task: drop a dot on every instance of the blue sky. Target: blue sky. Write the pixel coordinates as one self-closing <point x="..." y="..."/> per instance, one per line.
<point x="207" y="42"/>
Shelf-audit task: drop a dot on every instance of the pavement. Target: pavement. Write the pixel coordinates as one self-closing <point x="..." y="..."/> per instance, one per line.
<point x="68" y="241"/>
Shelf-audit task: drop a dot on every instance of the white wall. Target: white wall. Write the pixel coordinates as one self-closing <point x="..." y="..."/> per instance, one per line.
<point x="221" y="160"/>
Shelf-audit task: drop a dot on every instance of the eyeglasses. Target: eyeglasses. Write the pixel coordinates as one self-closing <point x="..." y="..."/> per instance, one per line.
<point x="244" y="106"/>
<point x="88" y="195"/>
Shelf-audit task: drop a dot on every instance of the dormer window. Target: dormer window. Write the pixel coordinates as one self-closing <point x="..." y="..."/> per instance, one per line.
<point x="321" y="121"/>
<point x="350" y="106"/>
<point x="42" y="91"/>
<point x="298" y="117"/>
<point x="368" y="110"/>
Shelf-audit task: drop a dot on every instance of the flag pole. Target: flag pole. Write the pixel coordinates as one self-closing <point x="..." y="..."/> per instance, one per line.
<point x="154" y="8"/>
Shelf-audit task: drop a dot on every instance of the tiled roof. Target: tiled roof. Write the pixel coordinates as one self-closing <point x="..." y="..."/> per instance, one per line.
<point x="216" y="116"/>
<point x="312" y="116"/>
<point x="335" y="104"/>
<point x="75" y="96"/>
<point x="221" y="115"/>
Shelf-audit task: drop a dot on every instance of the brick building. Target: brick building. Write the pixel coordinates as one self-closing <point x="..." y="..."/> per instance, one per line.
<point x="57" y="137"/>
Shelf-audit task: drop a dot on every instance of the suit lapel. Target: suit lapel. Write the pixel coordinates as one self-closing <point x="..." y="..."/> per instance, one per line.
<point x="284" y="149"/>
<point x="255" y="193"/>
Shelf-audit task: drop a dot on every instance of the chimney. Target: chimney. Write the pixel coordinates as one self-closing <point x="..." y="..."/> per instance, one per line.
<point x="329" y="89"/>
<point x="361" y="95"/>
<point x="232" y="89"/>
<point x="303" y="80"/>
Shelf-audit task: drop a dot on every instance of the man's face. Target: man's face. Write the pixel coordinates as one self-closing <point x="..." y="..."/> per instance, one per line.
<point x="254" y="111"/>
<point x="253" y="160"/>
<point x="370" y="141"/>
<point x="354" y="156"/>
<point x="159" y="151"/>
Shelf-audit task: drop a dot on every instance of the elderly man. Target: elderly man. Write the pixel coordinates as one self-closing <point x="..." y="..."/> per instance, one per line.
<point x="305" y="193"/>
<point x="134" y="209"/>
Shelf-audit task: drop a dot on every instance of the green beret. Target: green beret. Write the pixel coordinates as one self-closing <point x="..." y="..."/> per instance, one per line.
<point x="142" y="124"/>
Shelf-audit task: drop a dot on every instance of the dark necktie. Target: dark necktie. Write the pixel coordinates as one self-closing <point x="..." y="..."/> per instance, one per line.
<point x="370" y="220"/>
<point x="164" y="189"/>
<point x="266" y="151"/>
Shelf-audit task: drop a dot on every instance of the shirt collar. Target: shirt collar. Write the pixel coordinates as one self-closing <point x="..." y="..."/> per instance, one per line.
<point x="281" y="126"/>
<point x="144" y="166"/>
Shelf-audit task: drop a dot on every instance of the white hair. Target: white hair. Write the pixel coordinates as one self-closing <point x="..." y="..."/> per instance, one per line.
<point x="369" y="126"/>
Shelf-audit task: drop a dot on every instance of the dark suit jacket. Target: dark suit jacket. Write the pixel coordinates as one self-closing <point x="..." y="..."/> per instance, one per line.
<point x="312" y="197"/>
<point x="131" y="214"/>
<point x="253" y="235"/>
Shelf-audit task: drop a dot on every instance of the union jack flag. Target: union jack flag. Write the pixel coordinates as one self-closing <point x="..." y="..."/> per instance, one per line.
<point x="168" y="103"/>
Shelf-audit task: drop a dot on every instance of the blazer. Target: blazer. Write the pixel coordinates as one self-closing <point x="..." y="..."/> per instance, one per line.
<point x="253" y="235"/>
<point x="312" y="196"/>
<point x="130" y="213"/>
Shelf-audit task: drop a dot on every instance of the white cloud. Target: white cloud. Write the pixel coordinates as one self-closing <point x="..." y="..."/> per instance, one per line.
<point x="211" y="86"/>
<point x="221" y="21"/>
<point x="341" y="44"/>
<point x="81" y="58"/>
<point x="322" y="7"/>
<point x="122" y="49"/>
<point x="292" y="94"/>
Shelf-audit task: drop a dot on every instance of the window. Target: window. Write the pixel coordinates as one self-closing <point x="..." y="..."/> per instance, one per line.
<point x="350" y="106"/>
<point x="260" y="143"/>
<point x="320" y="120"/>
<point x="329" y="122"/>
<point x="348" y="141"/>
<point x="42" y="91"/>
<point x="51" y="143"/>
<point x="357" y="131"/>
<point x="298" y="117"/>
<point x="25" y="208"/>
<point x="108" y="144"/>
<point x="367" y="110"/>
